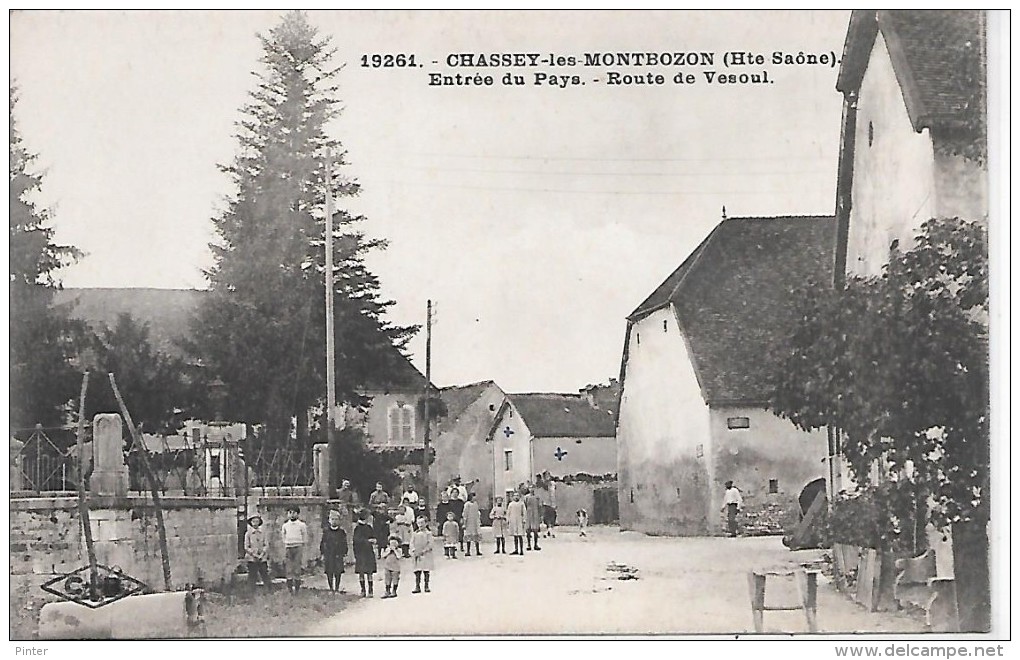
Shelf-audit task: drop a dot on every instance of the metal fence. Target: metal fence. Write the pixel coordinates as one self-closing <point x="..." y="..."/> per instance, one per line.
<point x="44" y="459"/>
<point x="277" y="467"/>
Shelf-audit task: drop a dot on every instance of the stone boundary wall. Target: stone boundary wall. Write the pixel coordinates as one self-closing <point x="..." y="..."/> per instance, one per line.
<point x="46" y="537"/>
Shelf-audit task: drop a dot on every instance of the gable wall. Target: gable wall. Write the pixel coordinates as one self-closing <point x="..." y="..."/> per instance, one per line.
<point x="894" y="177"/>
<point x="376" y="422"/>
<point x="664" y="484"/>
<point x="462" y="450"/>
<point x="519" y="443"/>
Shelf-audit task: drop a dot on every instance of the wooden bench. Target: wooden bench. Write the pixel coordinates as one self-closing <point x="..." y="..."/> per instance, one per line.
<point x="807" y="587"/>
<point x="917" y="586"/>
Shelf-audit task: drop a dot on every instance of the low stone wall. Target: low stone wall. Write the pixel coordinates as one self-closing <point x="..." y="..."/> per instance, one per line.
<point x="765" y="515"/>
<point x="274" y="513"/>
<point x="569" y="498"/>
<point x="46" y="537"/>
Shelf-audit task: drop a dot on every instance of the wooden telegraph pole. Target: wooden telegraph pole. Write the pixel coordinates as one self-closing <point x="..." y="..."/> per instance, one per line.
<point x="428" y="395"/>
<point x="330" y="349"/>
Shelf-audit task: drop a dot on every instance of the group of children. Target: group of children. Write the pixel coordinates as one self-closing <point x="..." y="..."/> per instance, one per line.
<point x="294" y="534"/>
<point x="521" y="518"/>
<point x="365" y="564"/>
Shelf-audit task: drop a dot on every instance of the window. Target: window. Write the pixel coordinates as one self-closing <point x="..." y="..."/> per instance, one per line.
<point x="871" y="133"/>
<point x="508" y="459"/>
<point x="773" y="486"/>
<point x="638" y="334"/>
<point x="738" y="423"/>
<point x="401" y="424"/>
<point x="664" y="326"/>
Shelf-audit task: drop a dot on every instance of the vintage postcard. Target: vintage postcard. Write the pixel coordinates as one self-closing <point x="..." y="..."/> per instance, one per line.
<point x="360" y="324"/>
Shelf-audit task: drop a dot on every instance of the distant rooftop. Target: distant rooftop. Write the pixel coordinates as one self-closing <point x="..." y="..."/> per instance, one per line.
<point x="563" y="416"/>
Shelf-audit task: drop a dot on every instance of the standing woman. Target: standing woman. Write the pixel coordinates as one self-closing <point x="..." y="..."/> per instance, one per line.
<point x="515" y="518"/>
<point x="333" y="548"/>
<point x="472" y="525"/>
<point x="364" y="552"/>
<point x="498" y="517"/>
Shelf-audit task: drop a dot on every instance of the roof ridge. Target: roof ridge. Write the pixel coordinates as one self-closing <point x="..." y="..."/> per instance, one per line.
<point x="464" y="387"/>
<point x="570" y="394"/>
<point x="700" y="250"/>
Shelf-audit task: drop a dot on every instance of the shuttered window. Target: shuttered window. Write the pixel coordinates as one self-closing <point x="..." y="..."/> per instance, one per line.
<point x="401" y="424"/>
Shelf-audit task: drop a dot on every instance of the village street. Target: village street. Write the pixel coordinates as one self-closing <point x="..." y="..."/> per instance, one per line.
<point x="684" y="585"/>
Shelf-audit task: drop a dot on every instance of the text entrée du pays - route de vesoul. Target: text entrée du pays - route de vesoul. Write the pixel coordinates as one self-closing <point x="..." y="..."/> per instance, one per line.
<point x="476" y="69"/>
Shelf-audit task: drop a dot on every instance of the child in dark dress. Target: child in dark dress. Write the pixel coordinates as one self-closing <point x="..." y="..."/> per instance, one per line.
<point x="333" y="548"/>
<point x="364" y="553"/>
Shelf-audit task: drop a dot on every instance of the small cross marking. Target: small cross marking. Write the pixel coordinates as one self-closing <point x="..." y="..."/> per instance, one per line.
<point x="559" y="454"/>
<point x="508" y="432"/>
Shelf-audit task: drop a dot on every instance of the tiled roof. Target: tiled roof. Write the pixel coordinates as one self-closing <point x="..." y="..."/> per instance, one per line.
<point x="939" y="58"/>
<point x="459" y="397"/>
<point x="735" y="299"/>
<point x="563" y="416"/>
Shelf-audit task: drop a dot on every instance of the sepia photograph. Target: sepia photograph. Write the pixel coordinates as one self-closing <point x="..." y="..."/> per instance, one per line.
<point x="513" y="324"/>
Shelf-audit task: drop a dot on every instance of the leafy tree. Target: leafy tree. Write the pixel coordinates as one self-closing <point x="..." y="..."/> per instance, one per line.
<point x="156" y="386"/>
<point x="362" y="465"/>
<point x="261" y="329"/>
<point x="42" y="377"/>
<point x="900" y="364"/>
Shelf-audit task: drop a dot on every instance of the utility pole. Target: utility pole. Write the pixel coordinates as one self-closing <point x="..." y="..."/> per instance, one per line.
<point x="428" y="395"/>
<point x="330" y="356"/>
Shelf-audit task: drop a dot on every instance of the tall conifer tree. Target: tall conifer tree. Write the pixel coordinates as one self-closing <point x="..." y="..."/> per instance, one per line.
<point x="41" y="376"/>
<point x="261" y="331"/>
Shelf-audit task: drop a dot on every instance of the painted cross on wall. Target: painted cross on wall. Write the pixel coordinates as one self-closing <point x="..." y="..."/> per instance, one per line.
<point x="560" y="453"/>
<point x="508" y="432"/>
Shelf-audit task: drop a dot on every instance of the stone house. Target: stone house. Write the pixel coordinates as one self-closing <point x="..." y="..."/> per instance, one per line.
<point x="461" y="443"/>
<point x="913" y="106"/>
<point x="553" y="435"/>
<point x="913" y="147"/>
<point x="393" y="417"/>
<point x="695" y="378"/>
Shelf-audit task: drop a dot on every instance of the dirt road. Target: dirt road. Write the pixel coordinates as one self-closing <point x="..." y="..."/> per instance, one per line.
<point x="683" y="585"/>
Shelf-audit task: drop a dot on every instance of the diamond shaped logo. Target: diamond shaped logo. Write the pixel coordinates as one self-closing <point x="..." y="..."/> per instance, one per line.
<point x="111" y="585"/>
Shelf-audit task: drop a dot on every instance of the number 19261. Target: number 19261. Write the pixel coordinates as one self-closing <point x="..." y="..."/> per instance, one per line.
<point x="388" y="61"/>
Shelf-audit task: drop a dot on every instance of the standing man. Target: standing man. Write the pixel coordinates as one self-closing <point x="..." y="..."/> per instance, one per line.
<point x="411" y="495"/>
<point x="346" y="495"/>
<point x="732" y="503"/>
<point x="533" y="506"/>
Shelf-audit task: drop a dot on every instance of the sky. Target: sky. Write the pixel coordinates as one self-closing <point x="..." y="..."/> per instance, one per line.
<point x="535" y="217"/>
